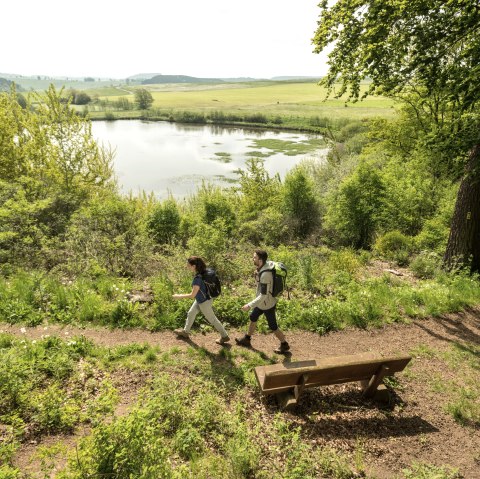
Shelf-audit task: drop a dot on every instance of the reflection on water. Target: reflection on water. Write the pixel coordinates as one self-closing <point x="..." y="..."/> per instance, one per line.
<point x="171" y="158"/>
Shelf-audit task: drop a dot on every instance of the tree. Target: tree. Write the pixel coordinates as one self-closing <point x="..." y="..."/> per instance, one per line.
<point x="81" y="98"/>
<point x="143" y="99"/>
<point x="50" y="165"/>
<point x="426" y="48"/>
<point x="355" y="209"/>
<point x="300" y="204"/>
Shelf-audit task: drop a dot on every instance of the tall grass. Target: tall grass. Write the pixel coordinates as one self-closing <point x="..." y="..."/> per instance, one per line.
<point x="329" y="290"/>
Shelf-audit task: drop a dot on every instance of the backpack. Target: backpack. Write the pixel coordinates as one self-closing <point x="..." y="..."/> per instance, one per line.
<point x="212" y="282"/>
<point x="279" y="273"/>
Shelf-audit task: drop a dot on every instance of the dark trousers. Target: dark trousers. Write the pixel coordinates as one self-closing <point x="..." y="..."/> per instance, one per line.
<point x="269" y="314"/>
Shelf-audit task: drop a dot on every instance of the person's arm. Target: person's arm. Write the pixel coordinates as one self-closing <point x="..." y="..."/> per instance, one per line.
<point x="266" y="279"/>
<point x="191" y="295"/>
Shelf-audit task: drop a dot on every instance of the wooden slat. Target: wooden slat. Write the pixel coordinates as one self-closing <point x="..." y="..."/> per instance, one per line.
<point x="330" y="370"/>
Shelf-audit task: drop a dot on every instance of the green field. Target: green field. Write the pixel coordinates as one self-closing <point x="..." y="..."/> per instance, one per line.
<point x="285" y="104"/>
<point x="286" y="100"/>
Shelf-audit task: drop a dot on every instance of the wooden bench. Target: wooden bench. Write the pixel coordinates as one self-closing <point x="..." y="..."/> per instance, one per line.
<point x="288" y="380"/>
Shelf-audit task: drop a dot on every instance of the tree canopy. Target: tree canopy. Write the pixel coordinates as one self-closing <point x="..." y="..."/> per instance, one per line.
<point x="400" y="45"/>
<point x="428" y="50"/>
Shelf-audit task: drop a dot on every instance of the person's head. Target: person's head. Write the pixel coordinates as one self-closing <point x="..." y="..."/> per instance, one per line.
<point x="197" y="263"/>
<point x="259" y="258"/>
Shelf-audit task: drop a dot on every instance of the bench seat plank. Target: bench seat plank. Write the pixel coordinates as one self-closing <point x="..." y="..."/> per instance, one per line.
<point x="276" y="378"/>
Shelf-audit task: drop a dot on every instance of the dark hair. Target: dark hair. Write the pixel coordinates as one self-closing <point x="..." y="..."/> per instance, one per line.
<point x="262" y="254"/>
<point x="198" y="262"/>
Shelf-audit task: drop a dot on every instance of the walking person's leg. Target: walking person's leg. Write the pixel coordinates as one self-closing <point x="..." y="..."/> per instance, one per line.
<point x="246" y="340"/>
<point x="191" y="315"/>
<point x="271" y="316"/>
<point x="207" y="310"/>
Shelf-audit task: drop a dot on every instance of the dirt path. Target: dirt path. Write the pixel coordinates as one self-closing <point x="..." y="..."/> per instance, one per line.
<point x="438" y="333"/>
<point x="418" y="430"/>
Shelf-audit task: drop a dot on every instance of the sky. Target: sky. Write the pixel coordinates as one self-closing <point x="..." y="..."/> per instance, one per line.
<point x="201" y="38"/>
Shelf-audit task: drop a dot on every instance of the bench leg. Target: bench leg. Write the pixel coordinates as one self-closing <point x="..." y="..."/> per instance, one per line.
<point x="375" y="381"/>
<point x="290" y="398"/>
<point x="286" y="400"/>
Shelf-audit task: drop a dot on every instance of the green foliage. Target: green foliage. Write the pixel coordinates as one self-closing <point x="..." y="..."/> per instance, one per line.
<point x="163" y="223"/>
<point x="439" y="92"/>
<point x="354" y="211"/>
<point x="7" y="472"/>
<point x="33" y="379"/>
<point x="420" y="470"/>
<point x="300" y="203"/>
<point x="143" y="98"/>
<point x="426" y="264"/>
<point x="49" y="165"/>
<point x="213" y="204"/>
<point x="394" y="246"/>
<point x="258" y="190"/>
<point x="105" y="236"/>
<point x="53" y="411"/>
<point x="209" y="241"/>
<point x="424" y="29"/>
<point x="435" y="230"/>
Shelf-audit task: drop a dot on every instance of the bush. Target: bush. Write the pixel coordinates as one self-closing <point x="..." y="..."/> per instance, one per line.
<point x="163" y="223"/>
<point x="425" y="265"/>
<point x="394" y="246"/>
<point x="300" y="203"/>
<point x="355" y="208"/>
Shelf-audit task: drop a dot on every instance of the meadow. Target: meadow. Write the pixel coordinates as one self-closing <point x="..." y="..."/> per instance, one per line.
<point x="296" y="104"/>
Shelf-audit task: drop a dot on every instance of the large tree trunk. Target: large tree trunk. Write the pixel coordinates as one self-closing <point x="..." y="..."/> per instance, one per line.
<point x="463" y="248"/>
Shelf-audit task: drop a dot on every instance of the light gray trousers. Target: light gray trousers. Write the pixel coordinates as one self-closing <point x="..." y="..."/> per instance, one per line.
<point x="207" y="310"/>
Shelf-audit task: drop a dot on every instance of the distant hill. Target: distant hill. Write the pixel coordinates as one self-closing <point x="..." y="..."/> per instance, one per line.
<point x="143" y="76"/>
<point x="179" y="79"/>
<point x="293" y="78"/>
<point x="5" y="85"/>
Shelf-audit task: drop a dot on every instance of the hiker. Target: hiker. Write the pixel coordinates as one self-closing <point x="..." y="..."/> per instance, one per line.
<point x="203" y="302"/>
<point x="264" y="303"/>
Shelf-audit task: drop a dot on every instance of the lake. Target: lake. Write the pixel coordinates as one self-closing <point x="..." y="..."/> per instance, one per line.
<point x="173" y="159"/>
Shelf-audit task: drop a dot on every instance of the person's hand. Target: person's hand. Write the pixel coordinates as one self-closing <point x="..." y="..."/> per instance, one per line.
<point x="176" y="296"/>
<point x="245" y="307"/>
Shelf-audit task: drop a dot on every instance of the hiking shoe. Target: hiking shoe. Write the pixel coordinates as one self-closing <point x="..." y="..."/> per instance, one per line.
<point x="181" y="333"/>
<point x="223" y="340"/>
<point x="243" y="342"/>
<point x="284" y="347"/>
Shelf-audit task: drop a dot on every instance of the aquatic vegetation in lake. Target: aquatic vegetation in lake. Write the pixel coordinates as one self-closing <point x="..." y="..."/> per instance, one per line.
<point x="290" y="148"/>
<point x="259" y="154"/>
<point x="223" y="156"/>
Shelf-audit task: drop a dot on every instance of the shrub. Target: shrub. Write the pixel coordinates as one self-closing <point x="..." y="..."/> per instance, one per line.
<point x="300" y="203"/>
<point x="425" y="265"/>
<point x="394" y="246"/>
<point x="355" y="208"/>
<point x="164" y="222"/>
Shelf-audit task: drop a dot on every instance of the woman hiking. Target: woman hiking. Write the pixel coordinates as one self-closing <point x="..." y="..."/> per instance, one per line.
<point x="203" y="302"/>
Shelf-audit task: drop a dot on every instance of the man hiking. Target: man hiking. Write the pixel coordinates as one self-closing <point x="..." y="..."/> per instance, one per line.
<point x="265" y="303"/>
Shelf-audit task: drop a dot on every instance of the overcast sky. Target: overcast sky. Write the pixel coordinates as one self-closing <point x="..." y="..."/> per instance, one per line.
<point x="202" y="38"/>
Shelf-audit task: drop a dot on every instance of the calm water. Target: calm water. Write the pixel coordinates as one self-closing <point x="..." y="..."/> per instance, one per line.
<point x="169" y="158"/>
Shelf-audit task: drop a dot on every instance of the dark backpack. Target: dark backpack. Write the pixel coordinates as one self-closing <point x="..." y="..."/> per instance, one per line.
<point x="279" y="273"/>
<point x="212" y="282"/>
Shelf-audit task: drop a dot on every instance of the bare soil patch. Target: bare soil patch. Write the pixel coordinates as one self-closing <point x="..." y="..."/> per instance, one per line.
<point x="415" y="427"/>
